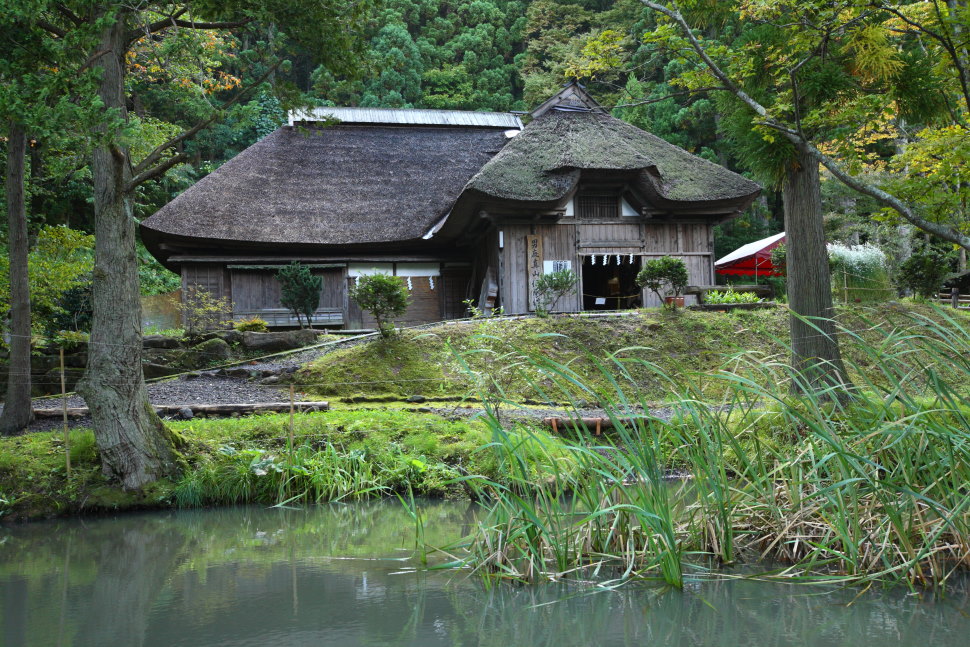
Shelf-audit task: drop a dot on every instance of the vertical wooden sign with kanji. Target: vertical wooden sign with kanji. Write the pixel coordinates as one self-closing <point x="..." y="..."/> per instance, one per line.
<point x="533" y="266"/>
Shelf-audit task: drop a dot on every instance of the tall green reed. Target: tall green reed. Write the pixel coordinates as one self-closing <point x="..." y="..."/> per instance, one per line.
<point x="872" y="487"/>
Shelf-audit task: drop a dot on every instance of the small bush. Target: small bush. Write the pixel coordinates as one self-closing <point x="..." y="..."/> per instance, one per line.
<point x="253" y="324"/>
<point x="925" y="272"/>
<point x="69" y="339"/>
<point x="730" y="296"/>
<point x="665" y="276"/>
<point x="551" y="287"/>
<point x="201" y="311"/>
<point x="299" y="291"/>
<point x="384" y="297"/>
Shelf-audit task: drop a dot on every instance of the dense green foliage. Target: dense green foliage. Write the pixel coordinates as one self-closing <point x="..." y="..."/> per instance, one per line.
<point x="665" y="276"/>
<point x="384" y="297"/>
<point x="299" y="291"/>
<point x="451" y="362"/>
<point x="59" y="269"/>
<point x="925" y="271"/>
<point x="551" y="287"/>
<point x="731" y="296"/>
<point x="336" y="455"/>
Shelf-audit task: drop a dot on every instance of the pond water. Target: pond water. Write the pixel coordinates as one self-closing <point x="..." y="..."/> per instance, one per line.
<point x="347" y="575"/>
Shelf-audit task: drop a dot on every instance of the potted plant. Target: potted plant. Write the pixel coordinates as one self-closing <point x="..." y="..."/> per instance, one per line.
<point x="666" y="277"/>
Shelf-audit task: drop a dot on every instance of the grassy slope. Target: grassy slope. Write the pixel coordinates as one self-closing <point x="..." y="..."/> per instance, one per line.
<point x="430" y="362"/>
<point x="391" y="449"/>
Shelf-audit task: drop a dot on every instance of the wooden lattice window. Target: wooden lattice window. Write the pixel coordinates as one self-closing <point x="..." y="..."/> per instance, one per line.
<point x="598" y="207"/>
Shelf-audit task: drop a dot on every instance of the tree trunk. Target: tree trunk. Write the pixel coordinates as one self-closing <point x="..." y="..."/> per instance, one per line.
<point x="135" y="446"/>
<point x="815" y="347"/>
<point x="17" y="409"/>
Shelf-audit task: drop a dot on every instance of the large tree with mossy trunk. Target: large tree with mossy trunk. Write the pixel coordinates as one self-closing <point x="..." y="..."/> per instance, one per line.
<point x="135" y="445"/>
<point x="41" y="80"/>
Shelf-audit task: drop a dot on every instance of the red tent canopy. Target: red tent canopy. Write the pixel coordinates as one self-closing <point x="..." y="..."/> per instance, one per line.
<point x="753" y="259"/>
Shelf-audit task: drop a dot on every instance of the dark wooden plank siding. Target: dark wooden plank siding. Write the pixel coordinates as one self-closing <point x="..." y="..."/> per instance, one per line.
<point x="207" y="276"/>
<point x="515" y="300"/>
<point x="254" y="290"/>
<point x="609" y="235"/>
<point x="454" y="290"/>
<point x="425" y="304"/>
<point x="559" y="244"/>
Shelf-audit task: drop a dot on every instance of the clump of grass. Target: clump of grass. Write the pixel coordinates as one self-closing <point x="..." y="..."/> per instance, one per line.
<point x="338" y="455"/>
<point x="871" y="490"/>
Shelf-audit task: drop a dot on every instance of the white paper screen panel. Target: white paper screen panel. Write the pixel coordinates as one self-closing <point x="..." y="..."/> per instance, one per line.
<point x="369" y="269"/>
<point x="418" y="269"/>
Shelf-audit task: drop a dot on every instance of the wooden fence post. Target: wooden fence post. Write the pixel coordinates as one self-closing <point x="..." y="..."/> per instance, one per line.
<point x="292" y="396"/>
<point x="955" y="297"/>
<point x="67" y="434"/>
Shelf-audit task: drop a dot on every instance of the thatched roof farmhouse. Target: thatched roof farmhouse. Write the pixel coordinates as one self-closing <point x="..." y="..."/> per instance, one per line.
<point x="466" y="205"/>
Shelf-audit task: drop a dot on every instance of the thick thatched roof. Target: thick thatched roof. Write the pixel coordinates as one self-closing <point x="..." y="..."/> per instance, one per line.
<point x="543" y="163"/>
<point x="340" y="185"/>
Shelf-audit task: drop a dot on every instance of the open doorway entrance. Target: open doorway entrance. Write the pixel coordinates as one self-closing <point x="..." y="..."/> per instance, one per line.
<point x="610" y="282"/>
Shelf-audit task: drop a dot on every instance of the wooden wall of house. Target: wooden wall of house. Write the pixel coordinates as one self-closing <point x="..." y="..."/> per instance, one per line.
<point x="558" y="244"/>
<point x="433" y="298"/>
<point x="208" y="276"/>
<point x="250" y="291"/>
<point x="425" y="306"/>
<point x="573" y="240"/>
<point x="255" y="290"/>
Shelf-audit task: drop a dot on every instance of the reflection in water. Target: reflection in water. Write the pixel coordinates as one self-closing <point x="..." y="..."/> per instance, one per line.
<point x="343" y="575"/>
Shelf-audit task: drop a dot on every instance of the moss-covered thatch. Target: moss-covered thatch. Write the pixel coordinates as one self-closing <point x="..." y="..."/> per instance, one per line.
<point x="544" y="161"/>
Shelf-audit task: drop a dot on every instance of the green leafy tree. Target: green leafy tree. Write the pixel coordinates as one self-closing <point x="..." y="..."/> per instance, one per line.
<point x="299" y="291"/>
<point x="384" y="297"/>
<point x="60" y="262"/>
<point x="925" y="272"/>
<point x="38" y="76"/>
<point x="134" y="444"/>
<point x="665" y="276"/>
<point x="551" y="287"/>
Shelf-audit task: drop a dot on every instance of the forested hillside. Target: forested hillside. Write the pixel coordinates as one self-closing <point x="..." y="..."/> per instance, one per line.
<point x="501" y="55"/>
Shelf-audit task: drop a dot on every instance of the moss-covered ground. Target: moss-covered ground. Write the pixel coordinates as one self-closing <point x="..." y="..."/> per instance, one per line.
<point x="481" y="358"/>
<point x="347" y="453"/>
<point x="338" y="454"/>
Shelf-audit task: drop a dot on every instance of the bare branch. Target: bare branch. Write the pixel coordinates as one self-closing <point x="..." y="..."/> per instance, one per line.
<point x="175" y="21"/>
<point x="232" y="24"/>
<point x="711" y="65"/>
<point x="52" y="28"/>
<point x="157" y="26"/>
<point x="889" y="200"/>
<point x="156" y="171"/>
<point x="942" y="38"/>
<point x="70" y="15"/>
<point x="644" y="102"/>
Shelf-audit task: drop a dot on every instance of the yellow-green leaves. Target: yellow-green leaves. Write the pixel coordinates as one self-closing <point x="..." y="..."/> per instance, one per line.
<point x="601" y="53"/>
<point x="874" y="57"/>
<point x="60" y="260"/>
